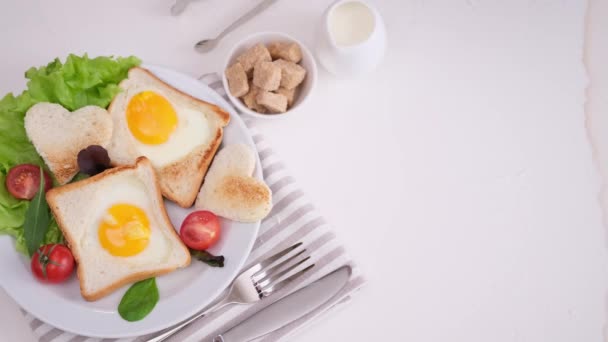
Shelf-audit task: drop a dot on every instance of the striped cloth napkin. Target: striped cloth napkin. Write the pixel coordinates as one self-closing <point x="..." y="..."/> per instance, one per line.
<point x="292" y="219"/>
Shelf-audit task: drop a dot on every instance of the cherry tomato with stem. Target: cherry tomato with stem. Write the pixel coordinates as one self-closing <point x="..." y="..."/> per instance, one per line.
<point x="52" y="263"/>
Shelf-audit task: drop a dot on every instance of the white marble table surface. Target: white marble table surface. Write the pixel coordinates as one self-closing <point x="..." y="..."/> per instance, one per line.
<point x="459" y="174"/>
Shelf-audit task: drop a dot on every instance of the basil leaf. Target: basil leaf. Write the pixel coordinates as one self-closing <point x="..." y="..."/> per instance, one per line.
<point x="139" y="300"/>
<point x="208" y="258"/>
<point x="37" y="219"/>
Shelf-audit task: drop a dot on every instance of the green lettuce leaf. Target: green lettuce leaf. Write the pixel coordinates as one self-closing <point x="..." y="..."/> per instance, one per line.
<point x="12" y="211"/>
<point x="15" y="147"/>
<point x="79" y="82"/>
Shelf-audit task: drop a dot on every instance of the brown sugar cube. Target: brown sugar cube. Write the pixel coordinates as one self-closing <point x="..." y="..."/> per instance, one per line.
<point x="291" y="73"/>
<point x="286" y="51"/>
<point x="237" y="80"/>
<point x="250" y="102"/>
<point x="249" y="98"/>
<point x="254" y="55"/>
<point x="290" y="94"/>
<point x="267" y="76"/>
<point x="275" y="103"/>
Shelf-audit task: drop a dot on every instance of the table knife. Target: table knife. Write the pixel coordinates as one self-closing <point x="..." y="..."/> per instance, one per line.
<point x="288" y="308"/>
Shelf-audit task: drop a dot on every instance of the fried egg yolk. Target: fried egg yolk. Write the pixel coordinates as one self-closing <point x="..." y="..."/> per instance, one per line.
<point x="151" y="118"/>
<point x="124" y="230"/>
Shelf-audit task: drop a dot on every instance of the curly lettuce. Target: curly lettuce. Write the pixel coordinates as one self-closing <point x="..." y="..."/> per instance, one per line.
<point x="79" y="82"/>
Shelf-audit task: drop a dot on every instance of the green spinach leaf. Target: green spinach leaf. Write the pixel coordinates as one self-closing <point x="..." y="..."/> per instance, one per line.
<point x="37" y="219"/>
<point x="139" y="300"/>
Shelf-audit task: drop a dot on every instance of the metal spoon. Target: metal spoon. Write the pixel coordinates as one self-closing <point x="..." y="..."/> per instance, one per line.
<point x="207" y="45"/>
<point x="179" y="7"/>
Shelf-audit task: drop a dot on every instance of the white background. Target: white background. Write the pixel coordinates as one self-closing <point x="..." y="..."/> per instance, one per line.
<point x="459" y="174"/>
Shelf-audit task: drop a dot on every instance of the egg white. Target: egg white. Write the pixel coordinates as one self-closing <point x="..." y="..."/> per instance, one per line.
<point x="128" y="190"/>
<point x="193" y="129"/>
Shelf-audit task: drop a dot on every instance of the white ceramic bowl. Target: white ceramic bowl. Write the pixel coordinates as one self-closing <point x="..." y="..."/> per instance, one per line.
<point x="308" y="63"/>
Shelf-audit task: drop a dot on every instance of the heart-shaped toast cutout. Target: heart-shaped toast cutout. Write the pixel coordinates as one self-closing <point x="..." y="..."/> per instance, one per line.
<point x="58" y="135"/>
<point x="230" y="191"/>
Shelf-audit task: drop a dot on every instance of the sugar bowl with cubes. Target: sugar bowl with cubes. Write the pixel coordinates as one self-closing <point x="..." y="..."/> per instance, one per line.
<point x="269" y="75"/>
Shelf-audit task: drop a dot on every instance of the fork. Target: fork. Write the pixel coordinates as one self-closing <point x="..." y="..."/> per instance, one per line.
<point x="257" y="282"/>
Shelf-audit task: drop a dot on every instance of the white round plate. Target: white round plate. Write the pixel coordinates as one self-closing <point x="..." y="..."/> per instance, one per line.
<point x="182" y="293"/>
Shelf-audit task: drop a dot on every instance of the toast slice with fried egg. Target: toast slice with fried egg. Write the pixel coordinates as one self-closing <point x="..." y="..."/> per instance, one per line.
<point x="178" y="133"/>
<point x="117" y="228"/>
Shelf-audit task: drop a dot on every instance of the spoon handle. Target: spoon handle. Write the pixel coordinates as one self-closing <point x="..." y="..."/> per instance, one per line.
<point x="179" y="7"/>
<point x="245" y="17"/>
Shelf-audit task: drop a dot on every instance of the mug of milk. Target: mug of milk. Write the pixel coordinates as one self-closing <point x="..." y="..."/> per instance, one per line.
<point x="351" y="38"/>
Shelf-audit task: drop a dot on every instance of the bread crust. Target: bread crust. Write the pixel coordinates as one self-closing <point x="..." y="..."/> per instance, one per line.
<point x="51" y="198"/>
<point x="181" y="180"/>
<point x="181" y="169"/>
<point x="62" y="174"/>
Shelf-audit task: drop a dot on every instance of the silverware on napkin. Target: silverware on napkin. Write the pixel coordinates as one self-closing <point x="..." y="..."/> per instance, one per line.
<point x="207" y="45"/>
<point x="259" y="281"/>
<point x="288" y="308"/>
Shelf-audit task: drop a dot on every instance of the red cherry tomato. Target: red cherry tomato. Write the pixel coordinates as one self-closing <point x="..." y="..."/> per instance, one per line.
<point x="23" y="181"/>
<point x="200" y="230"/>
<point x="52" y="263"/>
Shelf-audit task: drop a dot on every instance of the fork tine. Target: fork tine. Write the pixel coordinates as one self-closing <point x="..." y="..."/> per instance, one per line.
<point x="277" y="275"/>
<point x="263" y="273"/>
<point x="278" y="286"/>
<point x="271" y="259"/>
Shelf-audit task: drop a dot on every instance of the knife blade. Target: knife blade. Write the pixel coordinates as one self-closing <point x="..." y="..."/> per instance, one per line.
<point x="288" y="308"/>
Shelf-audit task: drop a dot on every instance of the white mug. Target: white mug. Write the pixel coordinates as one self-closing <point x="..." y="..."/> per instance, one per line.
<point x="351" y="38"/>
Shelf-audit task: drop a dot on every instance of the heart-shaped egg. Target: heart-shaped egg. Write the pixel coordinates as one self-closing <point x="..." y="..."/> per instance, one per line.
<point x="58" y="134"/>
<point x="230" y="191"/>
